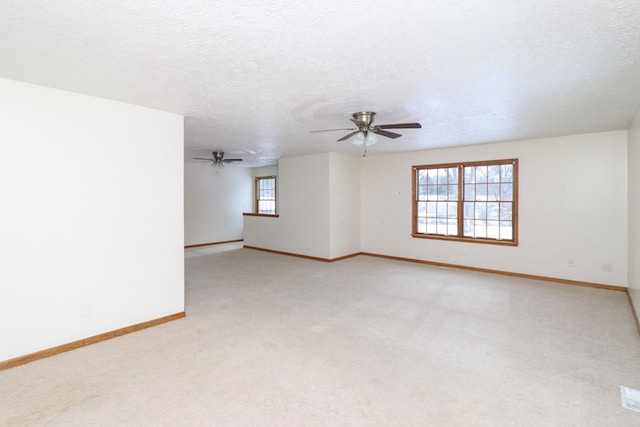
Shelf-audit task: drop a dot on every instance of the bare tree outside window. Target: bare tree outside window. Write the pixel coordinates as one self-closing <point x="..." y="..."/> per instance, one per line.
<point x="265" y="192"/>
<point x="474" y="201"/>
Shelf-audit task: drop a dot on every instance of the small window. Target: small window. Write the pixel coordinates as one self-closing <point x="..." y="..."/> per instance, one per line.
<point x="473" y="201"/>
<point x="266" y="195"/>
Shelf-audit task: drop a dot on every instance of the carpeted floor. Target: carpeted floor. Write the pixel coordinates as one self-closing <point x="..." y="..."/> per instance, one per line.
<point x="271" y="340"/>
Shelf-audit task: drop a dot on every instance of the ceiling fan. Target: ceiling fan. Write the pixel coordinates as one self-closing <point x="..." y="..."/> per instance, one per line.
<point x="365" y="130"/>
<point x="218" y="160"/>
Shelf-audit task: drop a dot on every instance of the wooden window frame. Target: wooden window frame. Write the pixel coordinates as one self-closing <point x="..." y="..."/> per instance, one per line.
<point x="460" y="237"/>
<point x="257" y="199"/>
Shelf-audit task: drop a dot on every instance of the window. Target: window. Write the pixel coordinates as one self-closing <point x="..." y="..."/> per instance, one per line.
<point x="266" y="195"/>
<point x="475" y="201"/>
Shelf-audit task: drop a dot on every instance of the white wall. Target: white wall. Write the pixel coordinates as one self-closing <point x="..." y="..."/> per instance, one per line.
<point x="318" y="207"/>
<point x="213" y="204"/>
<point x="265" y="171"/>
<point x="634" y="213"/>
<point x="344" y="205"/>
<point x="91" y="225"/>
<point x="303" y="224"/>
<point x="572" y="204"/>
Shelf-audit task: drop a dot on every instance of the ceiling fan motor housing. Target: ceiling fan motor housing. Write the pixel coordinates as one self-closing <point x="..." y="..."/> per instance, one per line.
<point x="363" y="119"/>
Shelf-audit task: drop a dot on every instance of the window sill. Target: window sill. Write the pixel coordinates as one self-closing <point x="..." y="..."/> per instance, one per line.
<point x="257" y="214"/>
<point x="466" y="239"/>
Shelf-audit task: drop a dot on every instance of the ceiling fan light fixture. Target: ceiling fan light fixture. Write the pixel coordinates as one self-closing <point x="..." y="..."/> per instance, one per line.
<point x="371" y="138"/>
<point x="358" y="139"/>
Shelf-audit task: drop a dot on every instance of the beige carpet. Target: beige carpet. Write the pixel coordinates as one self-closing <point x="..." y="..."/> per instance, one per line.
<point x="271" y="340"/>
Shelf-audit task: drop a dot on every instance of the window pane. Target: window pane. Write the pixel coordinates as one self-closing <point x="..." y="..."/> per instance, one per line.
<point x="453" y="192"/>
<point x="431" y="226"/>
<point x="480" y="229"/>
<point x="266" y="207"/>
<point x="506" y="192"/>
<point x="432" y="176"/>
<point x="468" y="227"/>
<point x="480" y="210"/>
<point x="422" y="209"/>
<point x="442" y="176"/>
<point x="443" y="192"/>
<point x="452" y="210"/>
<point x="469" y="192"/>
<point x="422" y="176"/>
<point x="422" y="192"/>
<point x="267" y="183"/>
<point x="469" y="210"/>
<point x="469" y="174"/>
<point x="493" y="192"/>
<point x="494" y="173"/>
<point x="442" y="227"/>
<point x="453" y="175"/>
<point x="442" y="210"/>
<point x="481" y="174"/>
<point x="506" y="211"/>
<point x="493" y="229"/>
<point x="452" y="228"/>
<point x="422" y="225"/>
<point x="506" y="173"/>
<point x="431" y="209"/>
<point x="493" y="211"/>
<point x="432" y="192"/>
<point x="481" y="191"/>
<point x="506" y="230"/>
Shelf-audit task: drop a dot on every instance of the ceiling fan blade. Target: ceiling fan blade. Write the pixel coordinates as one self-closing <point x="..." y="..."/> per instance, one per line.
<point x="344" y="138"/>
<point x="200" y="158"/>
<point x="329" y="130"/>
<point x="232" y="160"/>
<point x="386" y="133"/>
<point x="401" y="126"/>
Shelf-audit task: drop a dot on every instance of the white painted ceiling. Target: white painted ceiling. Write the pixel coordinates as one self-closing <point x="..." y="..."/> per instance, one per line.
<point x="253" y="77"/>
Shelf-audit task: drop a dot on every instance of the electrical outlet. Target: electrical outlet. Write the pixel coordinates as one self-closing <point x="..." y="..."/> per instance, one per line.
<point x="571" y="262"/>
<point x="607" y="267"/>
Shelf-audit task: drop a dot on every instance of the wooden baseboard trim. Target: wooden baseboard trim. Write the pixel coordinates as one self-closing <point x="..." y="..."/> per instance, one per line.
<point x="633" y="311"/>
<point x="504" y="273"/>
<point x="21" y="360"/>
<point x="461" y="267"/>
<point x="302" y="256"/>
<point x="212" y="243"/>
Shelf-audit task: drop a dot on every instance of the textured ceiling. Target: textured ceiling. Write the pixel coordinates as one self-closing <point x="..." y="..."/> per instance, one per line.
<point x="253" y="77"/>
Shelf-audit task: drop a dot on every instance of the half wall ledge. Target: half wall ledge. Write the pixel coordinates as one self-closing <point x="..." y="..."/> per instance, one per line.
<point x="263" y="215"/>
